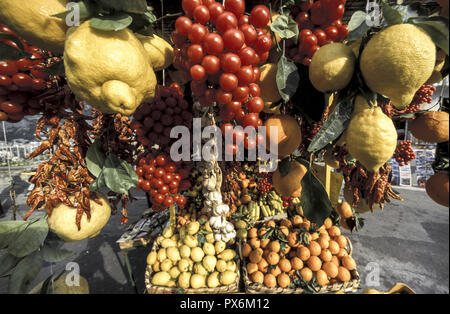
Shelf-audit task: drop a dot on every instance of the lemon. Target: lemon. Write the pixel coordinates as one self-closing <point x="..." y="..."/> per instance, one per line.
<point x="62" y="220"/>
<point x="269" y="88"/>
<point x="371" y="138"/>
<point x="60" y="286"/>
<point x="33" y="22"/>
<point x="332" y="67"/>
<point x="436" y="76"/>
<point x="159" y="51"/>
<point x="108" y="70"/>
<point x="397" y="61"/>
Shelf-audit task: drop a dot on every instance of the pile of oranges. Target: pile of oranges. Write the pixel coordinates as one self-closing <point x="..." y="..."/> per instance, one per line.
<point x="290" y="254"/>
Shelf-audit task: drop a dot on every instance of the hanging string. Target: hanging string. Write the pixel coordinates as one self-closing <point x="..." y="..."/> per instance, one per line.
<point x="162" y="30"/>
<point x="12" y="192"/>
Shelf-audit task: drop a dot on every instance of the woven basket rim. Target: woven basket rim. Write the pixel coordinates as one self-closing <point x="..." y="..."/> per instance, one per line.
<point x="234" y="287"/>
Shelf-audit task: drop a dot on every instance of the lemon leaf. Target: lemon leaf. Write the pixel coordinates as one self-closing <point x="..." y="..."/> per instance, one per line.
<point x="25" y="272"/>
<point x="9" y="230"/>
<point x="8" y="52"/>
<point x="114" y="22"/>
<point x="130" y="6"/>
<point x="30" y="239"/>
<point x="285" y="27"/>
<point x="116" y="177"/>
<point x="285" y="167"/>
<point x="358" y="18"/>
<point x="333" y="127"/>
<point x="7" y="263"/>
<point x="95" y="158"/>
<point x="391" y="16"/>
<point x="287" y="78"/>
<point x="436" y="27"/>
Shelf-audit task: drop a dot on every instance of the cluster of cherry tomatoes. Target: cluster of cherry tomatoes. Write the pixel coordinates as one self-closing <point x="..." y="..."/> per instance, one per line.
<point x="287" y="201"/>
<point x="220" y="47"/>
<point x="404" y="153"/>
<point x="163" y="180"/>
<point x="319" y="23"/>
<point x="20" y="81"/>
<point x="153" y="122"/>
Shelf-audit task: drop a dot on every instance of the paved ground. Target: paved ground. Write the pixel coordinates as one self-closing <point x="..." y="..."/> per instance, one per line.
<point x="408" y="242"/>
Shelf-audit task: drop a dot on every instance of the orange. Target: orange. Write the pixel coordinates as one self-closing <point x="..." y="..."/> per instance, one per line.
<point x="328" y="223"/>
<point x="326" y="255"/>
<point x="246" y="250"/>
<point x="257" y="277"/>
<point x="289" y="135"/>
<point x="344" y="210"/>
<point x="273" y="258"/>
<point x="335" y="261"/>
<point x="255" y="256"/>
<point x="261" y="232"/>
<point x="314" y="248"/>
<point x="342" y="241"/>
<point x="263" y="265"/>
<point x="314" y="236"/>
<point x="322" y="278"/>
<point x="283" y="280"/>
<point x="437" y="187"/>
<point x="296" y="263"/>
<point x="297" y="220"/>
<point x="252" y="268"/>
<point x="334" y="231"/>
<point x="284" y="230"/>
<point x="271" y="224"/>
<point x="306" y="225"/>
<point x="334" y="247"/>
<point x="314" y="263"/>
<point x="293" y="240"/>
<point x="253" y="233"/>
<point x="286" y="223"/>
<point x="255" y="243"/>
<point x="343" y="274"/>
<point x="303" y="253"/>
<point x="331" y="269"/>
<point x="431" y="127"/>
<point x="289" y="185"/>
<point x="270" y="281"/>
<point x="342" y="253"/>
<point x="264" y="243"/>
<point x="323" y="242"/>
<point x="285" y="265"/>
<point x="348" y="262"/>
<point x="275" y="271"/>
<point x="286" y="250"/>
<point x="274" y="246"/>
<point x="306" y="274"/>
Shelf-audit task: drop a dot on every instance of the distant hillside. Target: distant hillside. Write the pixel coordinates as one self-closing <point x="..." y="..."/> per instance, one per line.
<point x="23" y="130"/>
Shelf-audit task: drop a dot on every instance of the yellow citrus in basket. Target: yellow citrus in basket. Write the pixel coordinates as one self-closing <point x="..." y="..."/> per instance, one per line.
<point x="265" y="243"/>
<point x="322" y="278"/>
<point x="271" y="224"/>
<point x="342" y="241"/>
<point x="343" y="274"/>
<point x="314" y="263"/>
<point x="397" y="61"/>
<point x="263" y="265"/>
<point x="256" y="256"/>
<point x="334" y="247"/>
<point x="285" y="265"/>
<point x="261" y="232"/>
<point x="334" y="231"/>
<point x="293" y="240"/>
<point x="328" y="223"/>
<point x="275" y="271"/>
<point x="283" y="280"/>
<point x="314" y="248"/>
<point x="306" y="274"/>
<point x="342" y="253"/>
<point x="303" y="253"/>
<point x="323" y="242"/>
<point x="252" y="268"/>
<point x="296" y="263"/>
<point x="273" y="258"/>
<point x="108" y="70"/>
<point x="330" y="269"/>
<point x="257" y="277"/>
<point x="34" y="22"/>
<point x="348" y="262"/>
<point x="253" y="233"/>
<point x="255" y="243"/>
<point x="371" y="138"/>
<point x="246" y="250"/>
<point x="326" y="255"/>
<point x="335" y="260"/>
<point x="274" y="246"/>
<point x="297" y="220"/>
<point x="270" y="281"/>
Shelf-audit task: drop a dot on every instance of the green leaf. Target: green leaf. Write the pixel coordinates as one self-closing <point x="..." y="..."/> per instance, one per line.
<point x="130" y="171"/>
<point x="436" y="27"/>
<point x="24" y="273"/>
<point x="391" y="16"/>
<point x="130" y="6"/>
<point x="56" y="69"/>
<point x="314" y="199"/>
<point x="358" y="18"/>
<point x="98" y="183"/>
<point x="10" y="53"/>
<point x="114" y="22"/>
<point x="287" y="78"/>
<point x="116" y="177"/>
<point x="30" y="239"/>
<point x="9" y="230"/>
<point x="285" y="167"/>
<point x="7" y="263"/>
<point x="285" y="27"/>
<point x="95" y="158"/>
<point x="333" y="127"/>
<point x="54" y="255"/>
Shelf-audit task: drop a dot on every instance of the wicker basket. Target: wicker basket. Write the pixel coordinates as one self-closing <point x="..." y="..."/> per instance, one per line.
<point x="347" y="287"/>
<point x="152" y="289"/>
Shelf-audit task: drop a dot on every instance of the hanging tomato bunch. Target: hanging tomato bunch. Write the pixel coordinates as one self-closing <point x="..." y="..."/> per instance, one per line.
<point x="220" y="47"/>
<point x="21" y="80"/>
<point x="319" y="23"/>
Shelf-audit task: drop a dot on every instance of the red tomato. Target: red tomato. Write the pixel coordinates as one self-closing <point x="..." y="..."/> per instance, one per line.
<point x="226" y="115"/>
<point x="234" y="106"/>
<point x="8" y="68"/>
<point x="228" y="82"/>
<point x="159" y="198"/>
<point x="343" y="32"/>
<point x="183" y="25"/>
<point x="230" y="63"/>
<point x="332" y="33"/>
<point x="241" y="93"/>
<point x="226" y="21"/>
<point x="223" y="97"/>
<point x="250" y="33"/>
<point x="256" y="74"/>
<point x="215" y="9"/>
<point x="244" y="19"/>
<point x="237" y="7"/>
<point x="245" y="75"/>
<point x="190" y="5"/>
<point x="251" y="119"/>
<point x="198" y="72"/>
<point x="198" y="33"/>
<point x="22" y="80"/>
<point x="263" y="43"/>
<point x="211" y="64"/>
<point x="168" y="201"/>
<point x="321" y="36"/>
<point x="182" y="201"/>
<point x="201" y="14"/>
<point x="248" y="56"/>
<point x="5" y="80"/>
<point x="260" y="16"/>
<point x="255" y="90"/>
<point x="213" y="44"/>
<point x="233" y="39"/>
